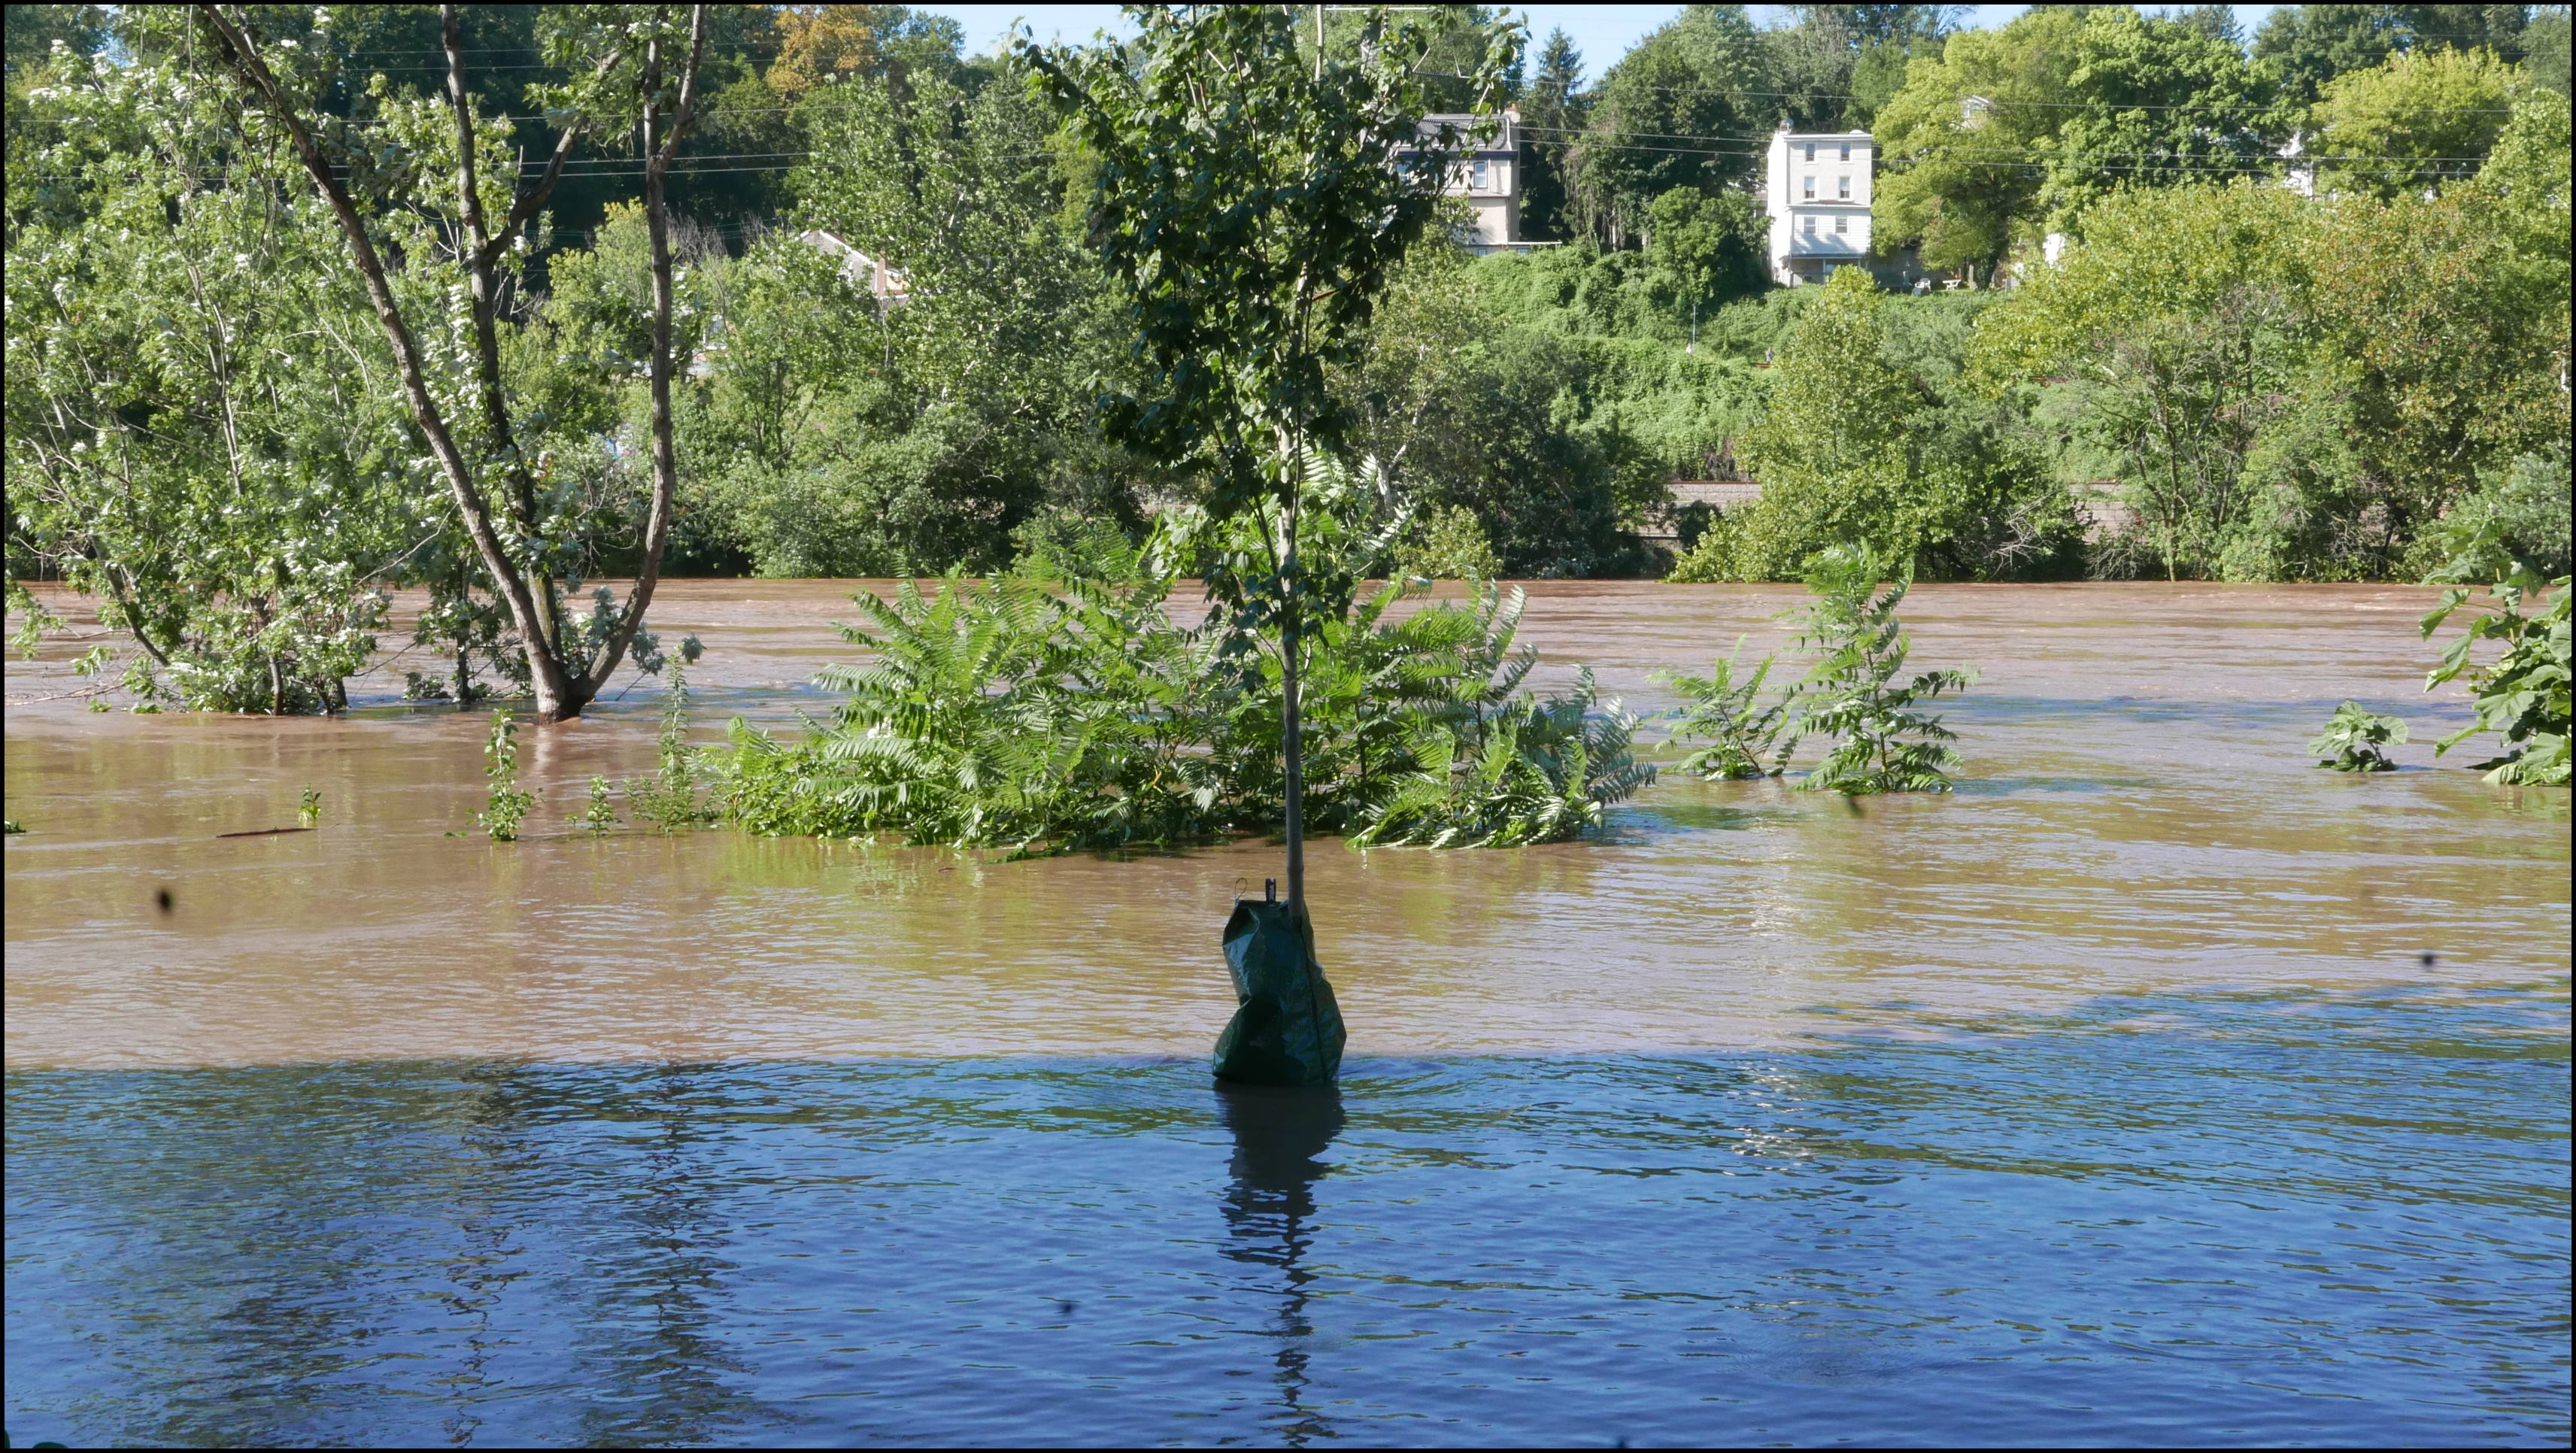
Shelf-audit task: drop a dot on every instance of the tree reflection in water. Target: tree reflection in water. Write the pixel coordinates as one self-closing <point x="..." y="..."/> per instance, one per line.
<point x="1269" y="1212"/>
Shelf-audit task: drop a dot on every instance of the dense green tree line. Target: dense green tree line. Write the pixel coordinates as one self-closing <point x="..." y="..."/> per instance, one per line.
<point x="2225" y="377"/>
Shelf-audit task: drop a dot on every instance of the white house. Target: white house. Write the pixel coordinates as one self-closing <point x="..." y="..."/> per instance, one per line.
<point x="1818" y="193"/>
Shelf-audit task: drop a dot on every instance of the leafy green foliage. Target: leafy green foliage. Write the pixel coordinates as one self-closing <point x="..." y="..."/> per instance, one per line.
<point x="1251" y="206"/>
<point x="1002" y="714"/>
<point x="1535" y="771"/>
<point x="2423" y="116"/>
<point x="1694" y="77"/>
<point x="600" y="814"/>
<point x="1708" y="249"/>
<point x="1853" y="448"/>
<point x="1880" y="742"/>
<point x="1547" y="439"/>
<point x="2018" y="131"/>
<point x="2292" y="389"/>
<point x="2522" y="697"/>
<point x="308" y="807"/>
<point x="1745" y="735"/>
<point x="1061" y="707"/>
<point x="1448" y="544"/>
<point x="2354" y="737"/>
<point x="910" y="412"/>
<point x="196" y="434"/>
<point x="505" y="802"/>
<point x="2304" y="48"/>
<point x="2519" y="512"/>
<point x="674" y="796"/>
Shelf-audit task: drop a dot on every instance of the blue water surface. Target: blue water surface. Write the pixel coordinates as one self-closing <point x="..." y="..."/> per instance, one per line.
<point x="2220" y="1219"/>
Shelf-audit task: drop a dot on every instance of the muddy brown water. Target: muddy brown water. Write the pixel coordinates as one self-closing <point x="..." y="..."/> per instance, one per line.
<point x="2155" y="1087"/>
<point x="2135" y="815"/>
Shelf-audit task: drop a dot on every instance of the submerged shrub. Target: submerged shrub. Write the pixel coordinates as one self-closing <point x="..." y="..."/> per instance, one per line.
<point x="2523" y="697"/>
<point x="506" y="803"/>
<point x="1745" y="737"/>
<point x="1060" y="707"/>
<point x="1449" y="544"/>
<point x="671" y="798"/>
<point x="1535" y="771"/>
<point x="1001" y="714"/>
<point x="1880" y="742"/>
<point x="601" y="814"/>
<point x="2353" y="737"/>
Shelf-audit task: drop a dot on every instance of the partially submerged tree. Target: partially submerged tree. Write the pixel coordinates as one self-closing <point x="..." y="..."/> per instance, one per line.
<point x="1880" y="741"/>
<point x="197" y="436"/>
<point x="1252" y="202"/>
<point x="639" y="68"/>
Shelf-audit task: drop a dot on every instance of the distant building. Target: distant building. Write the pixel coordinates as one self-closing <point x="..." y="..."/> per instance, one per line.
<point x="1818" y="193"/>
<point x="887" y="284"/>
<point x="1488" y="175"/>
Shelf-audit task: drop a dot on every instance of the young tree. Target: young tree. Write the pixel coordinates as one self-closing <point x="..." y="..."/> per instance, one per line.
<point x="1879" y="740"/>
<point x="1253" y="201"/>
<point x="642" y="69"/>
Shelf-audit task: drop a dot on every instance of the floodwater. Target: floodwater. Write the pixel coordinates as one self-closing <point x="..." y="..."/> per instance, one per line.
<point x="2154" y="1087"/>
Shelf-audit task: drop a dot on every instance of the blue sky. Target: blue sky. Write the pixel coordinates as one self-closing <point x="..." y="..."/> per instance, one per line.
<point x="1603" y="32"/>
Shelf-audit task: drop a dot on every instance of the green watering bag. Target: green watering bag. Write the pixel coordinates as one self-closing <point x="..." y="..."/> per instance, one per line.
<point x="1286" y="1029"/>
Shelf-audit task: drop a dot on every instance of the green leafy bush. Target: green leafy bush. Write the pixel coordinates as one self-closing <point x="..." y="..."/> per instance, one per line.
<point x="1859" y="446"/>
<point x="601" y="814"/>
<point x="2523" y="697"/>
<point x="1448" y="544"/>
<point x="1746" y="737"/>
<point x="1880" y="742"/>
<point x="672" y="798"/>
<point x="1062" y="708"/>
<point x="2353" y="737"/>
<point x="1534" y="771"/>
<point x="506" y="803"/>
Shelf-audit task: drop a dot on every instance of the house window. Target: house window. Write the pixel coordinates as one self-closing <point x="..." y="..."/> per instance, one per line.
<point x="1846" y="151"/>
<point x="1842" y="225"/>
<point x="1842" y="188"/>
<point x="1811" y="188"/>
<point x="1811" y="227"/>
<point x="1480" y="183"/>
<point x="1811" y="151"/>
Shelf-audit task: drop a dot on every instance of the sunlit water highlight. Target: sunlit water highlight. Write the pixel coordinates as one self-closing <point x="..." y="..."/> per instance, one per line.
<point x="2114" y="1099"/>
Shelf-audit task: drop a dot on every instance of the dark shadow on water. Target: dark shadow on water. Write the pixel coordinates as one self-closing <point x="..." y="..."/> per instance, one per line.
<point x="1270" y="1212"/>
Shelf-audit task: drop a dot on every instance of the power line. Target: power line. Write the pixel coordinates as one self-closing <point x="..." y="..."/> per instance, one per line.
<point x="1732" y="91"/>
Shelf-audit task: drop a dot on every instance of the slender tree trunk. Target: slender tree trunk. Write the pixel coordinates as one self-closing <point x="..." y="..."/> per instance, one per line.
<point x="243" y="58"/>
<point x="1292" y="742"/>
<point x="658" y="150"/>
<point x="562" y="688"/>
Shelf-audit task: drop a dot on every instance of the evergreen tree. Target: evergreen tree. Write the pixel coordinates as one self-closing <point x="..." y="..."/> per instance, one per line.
<point x="1551" y="115"/>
